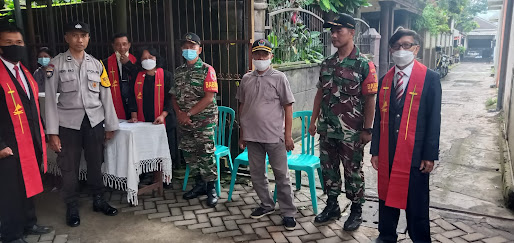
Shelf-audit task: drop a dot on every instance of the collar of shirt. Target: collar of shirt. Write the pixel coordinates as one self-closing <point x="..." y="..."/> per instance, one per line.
<point x="70" y="58"/>
<point x="353" y="54"/>
<point x="11" y="66"/>
<point x="267" y="72"/>
<point x="407" y="73"/>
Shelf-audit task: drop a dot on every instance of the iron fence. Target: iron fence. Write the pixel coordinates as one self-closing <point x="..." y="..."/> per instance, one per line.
<point x="97" y="13"/>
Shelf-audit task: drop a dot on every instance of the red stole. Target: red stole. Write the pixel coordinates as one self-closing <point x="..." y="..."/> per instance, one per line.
<point x="28" y="161"/>
<point x="158" y="93"/>
<point x="393" y="189"/>
<point x="112" y="63"/>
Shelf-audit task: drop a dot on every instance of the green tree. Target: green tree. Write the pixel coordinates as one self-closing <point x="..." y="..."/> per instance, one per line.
<point x="437" y="14"/>
<point x="465" y="21"/>
<point x="434" y="18"/>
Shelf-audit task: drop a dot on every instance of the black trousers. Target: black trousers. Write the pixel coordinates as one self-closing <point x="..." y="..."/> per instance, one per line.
<point x="417" y="212"/>
<point x="16" y="210"/>
<point x="91" y="140"/>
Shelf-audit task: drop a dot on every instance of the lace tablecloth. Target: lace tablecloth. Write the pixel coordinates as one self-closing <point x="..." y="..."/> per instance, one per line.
<point x="135" y="149"/>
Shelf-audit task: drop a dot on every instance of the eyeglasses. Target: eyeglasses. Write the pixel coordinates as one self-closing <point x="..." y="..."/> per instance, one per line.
<point x="405" y="46"/>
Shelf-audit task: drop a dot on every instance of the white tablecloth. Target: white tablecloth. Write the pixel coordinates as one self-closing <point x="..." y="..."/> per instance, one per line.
<point x="135" y="149"/>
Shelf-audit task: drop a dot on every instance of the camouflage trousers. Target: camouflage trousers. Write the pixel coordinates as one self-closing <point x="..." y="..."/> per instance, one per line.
<point x="198" y="150"/>
<point x="332" y="153"/>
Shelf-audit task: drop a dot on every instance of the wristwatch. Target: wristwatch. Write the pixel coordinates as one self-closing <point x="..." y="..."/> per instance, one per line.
<point x="368" y="130"/>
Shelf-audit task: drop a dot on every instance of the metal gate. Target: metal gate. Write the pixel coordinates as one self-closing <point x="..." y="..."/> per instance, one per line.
<point x="223" y="25"/>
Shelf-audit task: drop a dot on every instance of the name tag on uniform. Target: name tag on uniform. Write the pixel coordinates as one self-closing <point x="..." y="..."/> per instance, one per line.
<point x="198" y="76"/>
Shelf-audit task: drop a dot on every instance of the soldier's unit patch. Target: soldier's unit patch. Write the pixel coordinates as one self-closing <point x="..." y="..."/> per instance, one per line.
<point x="211" y="82"/>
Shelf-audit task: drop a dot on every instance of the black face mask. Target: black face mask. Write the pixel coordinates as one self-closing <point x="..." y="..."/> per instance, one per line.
<point x="13" y="53"/>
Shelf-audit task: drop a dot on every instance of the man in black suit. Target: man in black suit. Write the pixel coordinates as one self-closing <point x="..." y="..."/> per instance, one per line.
<point x="22" y="141"/>
<point x="405" y="140"/>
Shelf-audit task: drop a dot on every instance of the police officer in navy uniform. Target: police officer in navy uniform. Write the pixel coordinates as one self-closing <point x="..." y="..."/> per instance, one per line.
<point x="82" y="118"/>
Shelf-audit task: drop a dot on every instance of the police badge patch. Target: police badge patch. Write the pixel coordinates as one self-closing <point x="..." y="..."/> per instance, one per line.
<point x="50" y="71"/>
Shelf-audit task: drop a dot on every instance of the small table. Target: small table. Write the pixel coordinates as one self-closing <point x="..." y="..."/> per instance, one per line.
<point x="136" y="148"/>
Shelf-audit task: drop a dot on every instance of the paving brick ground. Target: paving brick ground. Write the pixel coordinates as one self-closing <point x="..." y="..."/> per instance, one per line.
<point x="230" y="221"/>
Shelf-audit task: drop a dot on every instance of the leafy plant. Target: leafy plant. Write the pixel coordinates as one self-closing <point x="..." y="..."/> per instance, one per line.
<point x="296" y="43"/>
<point x="7" y="14"/>
<point x="340" y="6"/>
<point x="292" y="40"/>
<point x="336" y="6"/>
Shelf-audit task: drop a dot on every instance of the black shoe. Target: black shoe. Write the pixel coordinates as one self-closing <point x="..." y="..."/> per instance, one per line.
<point x="261" y="212"/>
<point x="355" y="219"/>
<point x="20" y="240"/>
<point x="167" y="186"/>
<point x="198" y="190"/>
<point x="100" y="205"/>
<point x="37" y="230"/>
<point x="212" y="196"/>
<point x="331" y="211"/>
<point x="72" y="215"/>
<point x="289" y="223"/>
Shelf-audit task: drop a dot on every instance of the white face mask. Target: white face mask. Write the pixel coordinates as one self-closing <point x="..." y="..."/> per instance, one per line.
<point x="148" y="64"/>
<point x="402" y="57"/>
<point x="262" y="65"/>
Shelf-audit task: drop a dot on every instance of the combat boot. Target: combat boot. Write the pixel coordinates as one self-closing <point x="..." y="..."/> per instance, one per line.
<point x="198" y="190"/>
<point x="355" y="219"/>
<point x="100" y="205"/>
<point x="212" y="196"/>
<point x="330" y="212"/>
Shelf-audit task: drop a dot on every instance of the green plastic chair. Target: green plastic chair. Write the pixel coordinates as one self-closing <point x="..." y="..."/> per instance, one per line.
<point x="306" y="161"/>
<point x="226" y="116"/>
<point x="241" y="159"/>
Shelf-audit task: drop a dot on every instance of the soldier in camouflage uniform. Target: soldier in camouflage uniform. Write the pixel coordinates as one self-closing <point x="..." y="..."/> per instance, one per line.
<point x="194" y="102"/>
<point x="345" y="107"/>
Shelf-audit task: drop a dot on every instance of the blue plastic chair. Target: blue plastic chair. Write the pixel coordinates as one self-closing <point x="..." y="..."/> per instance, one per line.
<point x="226" y="115"/>
<point x="306" y="161"/>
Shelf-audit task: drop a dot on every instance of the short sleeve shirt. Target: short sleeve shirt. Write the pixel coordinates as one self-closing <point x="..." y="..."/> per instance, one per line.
<point x="191" y="84"/>
<point x="264" y="97"/>
<point x="344" y="84"/>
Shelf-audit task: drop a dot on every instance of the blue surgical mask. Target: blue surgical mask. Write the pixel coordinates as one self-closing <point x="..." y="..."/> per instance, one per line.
<point x="44" y="61"/>
<point x="189" y="54"/>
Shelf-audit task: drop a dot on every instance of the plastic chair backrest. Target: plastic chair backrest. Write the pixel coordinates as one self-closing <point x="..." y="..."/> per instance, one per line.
<point x="225" y="115"/>
<point x="307" y="139"/>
